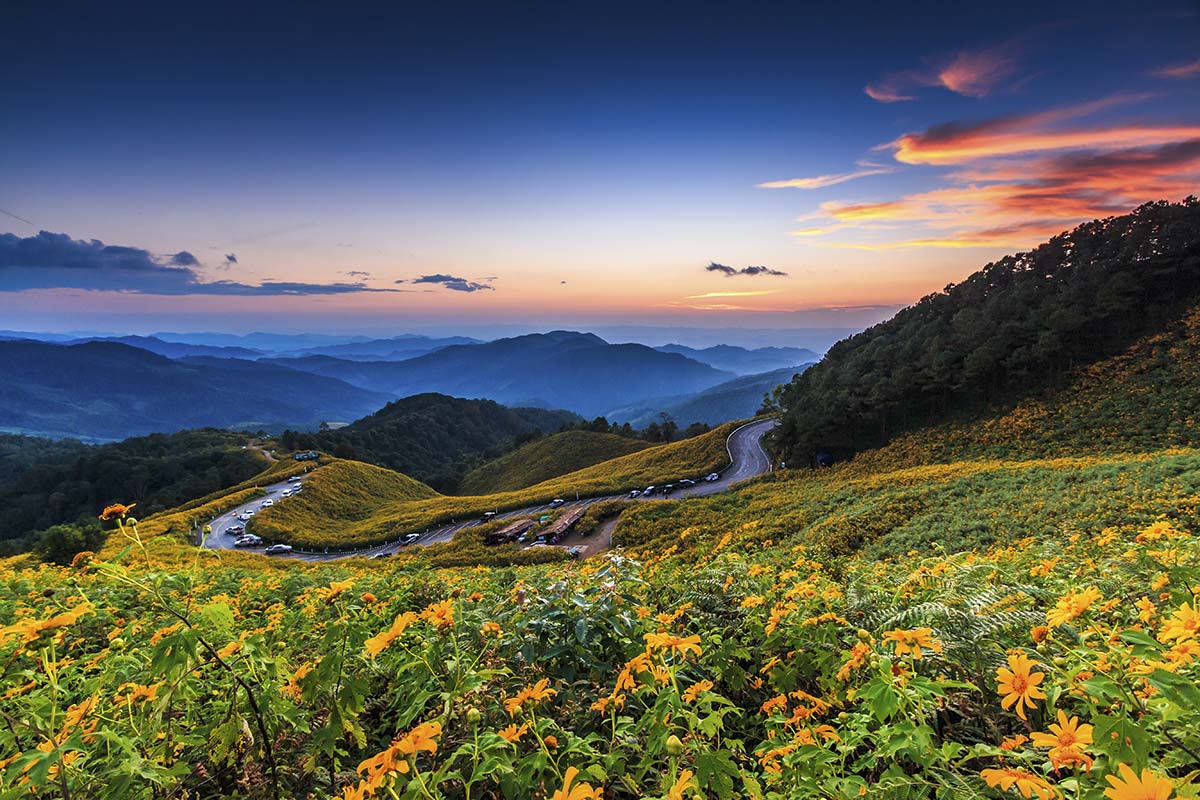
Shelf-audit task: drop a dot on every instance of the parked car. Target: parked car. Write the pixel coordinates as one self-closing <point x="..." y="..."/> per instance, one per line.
<point x="487" y="516"/>
<point x="670" y="487"/>
<point x="384" y="554"/>
<point x="635" y="493"/>
<point x="245" y="516"/>
<point x="410" y="538"/>
<point x="286" y="493"/>
<point x="687" y="482"/>
<point x="556" y="503"/>
<point x="276" y="549"/>
<point x="649" y="491"/>
<point x="713" y="477"/>
<point x="235" y="530"/>
<point x="267" y="503"/>
<point x="249" y="540"/>
<point x="294" y="479"/>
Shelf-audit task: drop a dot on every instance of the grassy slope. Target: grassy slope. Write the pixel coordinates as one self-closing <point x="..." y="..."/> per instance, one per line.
<point x="547" y="458"/>
<point x="377" y="518"/>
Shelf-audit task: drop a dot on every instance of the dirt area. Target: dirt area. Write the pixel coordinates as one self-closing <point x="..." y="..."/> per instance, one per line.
<point x="595" y="543"/>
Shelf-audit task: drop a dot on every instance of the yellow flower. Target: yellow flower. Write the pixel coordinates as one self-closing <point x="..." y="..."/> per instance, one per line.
<point x="329" y="593"/>
<point x="1019" y="684"/>
<point x="512" y="733"/>
<point x="581" y="791"/>
<point x="30" y="630"/>
<point x="1146" y="609"/>
<point x="440" y="615"/>
<point x="1183" y="624"/>
<point x="539" y="691"/>
<point x="1026" y="783"/>
<point x="753" y="601"/>
<point x="682" y="784"/>
<point x="680" y="644"/>
<point x="1071" y="605"/>
<point x="1068" y="734"/>
<point x="696" y="689"/>
<point x="912" y="641"/>
<point x="490" y="629"/>
<point x="1132" y="787"/>
<point x="381" y="641"/>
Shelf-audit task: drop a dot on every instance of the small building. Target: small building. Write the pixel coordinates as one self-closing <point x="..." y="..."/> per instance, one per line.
<point x="306" y="455"/>
<point x="510" y="532"/>
<point x="563" y="524"/>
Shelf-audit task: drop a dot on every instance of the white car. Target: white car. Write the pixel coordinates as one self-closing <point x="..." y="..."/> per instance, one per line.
<point x="713" y="477"/>
<point x="556" y="503"/>
<point x="267" y="503"/>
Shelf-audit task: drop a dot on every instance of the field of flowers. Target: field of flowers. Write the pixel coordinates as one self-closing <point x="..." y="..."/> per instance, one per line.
<point x="1063" y="664"/>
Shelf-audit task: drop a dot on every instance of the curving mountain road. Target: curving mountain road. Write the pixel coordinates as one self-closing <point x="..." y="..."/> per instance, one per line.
<point x="747" y="457"/>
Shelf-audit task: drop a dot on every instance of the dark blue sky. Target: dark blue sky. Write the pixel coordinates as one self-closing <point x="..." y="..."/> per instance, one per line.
<point x="618" y="148"/>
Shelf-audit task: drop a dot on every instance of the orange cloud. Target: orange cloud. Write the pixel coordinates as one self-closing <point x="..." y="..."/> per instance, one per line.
<point x="1189" y="70"/>
<point x="969" y="73"/>
<point x="821" y="181"/>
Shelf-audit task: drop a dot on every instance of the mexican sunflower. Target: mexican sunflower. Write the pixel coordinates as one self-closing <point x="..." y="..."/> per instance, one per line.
<point x="913" y="641"/>
<point x="1068" y="734"/>
<point x="1131" y="786"/>
<point x="1026" y="783"/>
<point x="1183" y="624"/>
<point x="1019" y="684"/>
<point x="684" y="783"/>
<point x="580" y="791"/>
<point x="539" y="691"/>
<point x="116" y="511"/>
<point x="680" y="644"/>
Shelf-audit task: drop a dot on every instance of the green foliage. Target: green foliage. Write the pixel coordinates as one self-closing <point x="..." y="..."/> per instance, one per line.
<point x="45" y="483"/>
<point x="546" y="458"/>
<point x="1014" y="327"/>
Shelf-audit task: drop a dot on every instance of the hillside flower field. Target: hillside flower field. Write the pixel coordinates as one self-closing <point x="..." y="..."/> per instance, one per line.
<point x="1063" y="666"/>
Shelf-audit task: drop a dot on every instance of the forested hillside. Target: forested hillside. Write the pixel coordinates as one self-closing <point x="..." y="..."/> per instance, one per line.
<point x="432" y="437"/>
<point x="1018" y="325"/>
<point x="44" y="482"/>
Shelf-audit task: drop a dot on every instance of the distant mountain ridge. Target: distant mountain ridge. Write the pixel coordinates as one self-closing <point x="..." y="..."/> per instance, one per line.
<point x="107" y="391"/>
<point x="561" y="369"/>
<point x="743" y="361"/>
<point x="739" y="398"/>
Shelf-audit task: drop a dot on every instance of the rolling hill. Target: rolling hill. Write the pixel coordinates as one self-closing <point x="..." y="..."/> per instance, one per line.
<point x="396" y="348"/>
<point x="546" y="458"/>
<point x="106" y="391"/>
<point x="562" y="369"/>
<point x="432" y="437"/>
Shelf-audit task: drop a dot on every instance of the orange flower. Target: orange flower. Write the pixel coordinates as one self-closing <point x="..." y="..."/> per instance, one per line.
<point x="1071" y="605"/>
<point x="680" y="644"/>
<point x="116" y="511"/>
<point x="696" y="689"/>
<point x="1068" y="734"/>
<point x="581" y="791"/>
<point x="1183" y="624"/>
<point x="1019" y="684"/>
<point x="1026" y="783"/>
<point x="682" y="784"/>
<point x="1013" y="742"/>
<point x="440" y="615"/>
<point x="490" y="629"/>
<point x="381" y="641"/>
<point x="1039" y="633"/>
<point x="913" y="641"/>
<point x="539" y="691"/>
<point x="512" y="733"/>
<point x="1131" y="786"/>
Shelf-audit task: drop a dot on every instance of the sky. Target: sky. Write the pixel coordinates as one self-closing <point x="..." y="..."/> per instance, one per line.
<point x="764" y="166"/>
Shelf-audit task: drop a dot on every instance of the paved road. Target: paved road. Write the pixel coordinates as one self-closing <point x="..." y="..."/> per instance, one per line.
<point x="219" y="540"/>
<point x="744" y="445"/>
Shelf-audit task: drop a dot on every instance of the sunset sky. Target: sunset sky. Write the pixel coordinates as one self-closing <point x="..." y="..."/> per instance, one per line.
<point x="412" y="168"/>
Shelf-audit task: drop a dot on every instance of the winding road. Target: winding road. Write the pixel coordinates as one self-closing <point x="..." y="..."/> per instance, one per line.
<point x="747" y="458"/>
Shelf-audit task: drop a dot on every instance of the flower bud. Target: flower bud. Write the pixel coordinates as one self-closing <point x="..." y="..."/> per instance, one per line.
<point x="674" y="745"/>
<point x="473" y="715"/>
